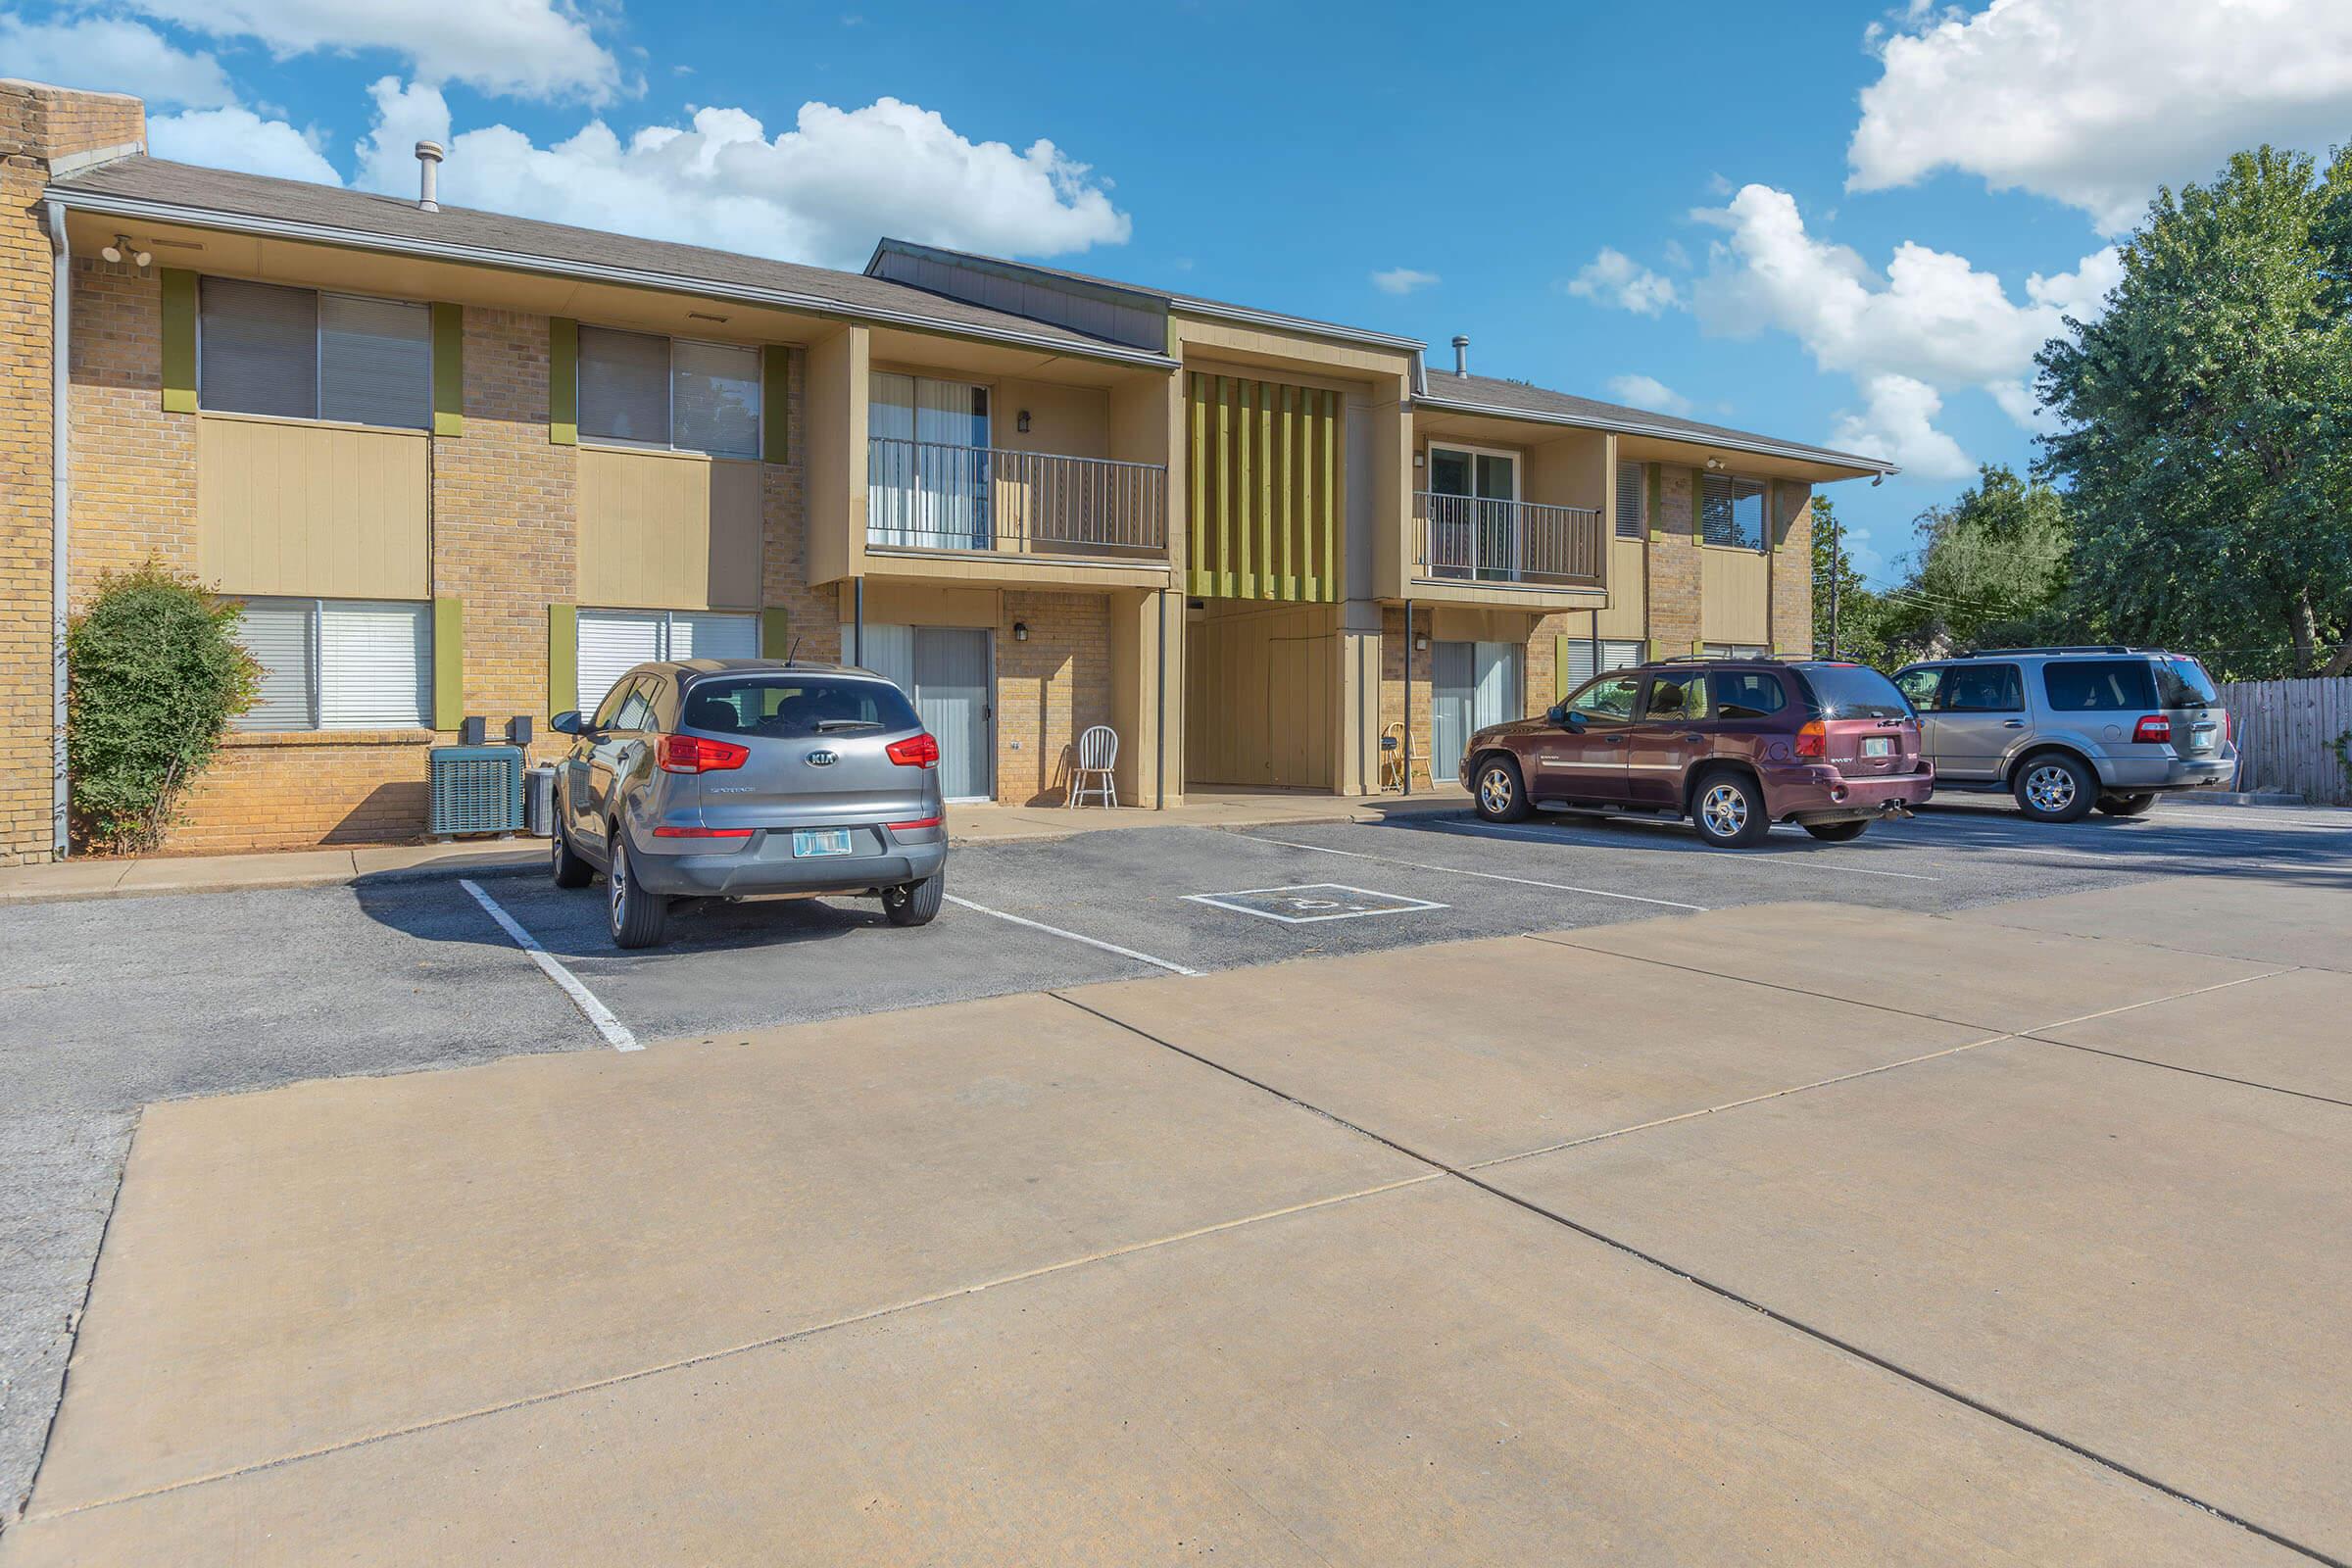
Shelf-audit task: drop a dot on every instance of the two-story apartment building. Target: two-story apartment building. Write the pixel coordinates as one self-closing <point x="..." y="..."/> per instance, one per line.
<point x="460" y="463"/>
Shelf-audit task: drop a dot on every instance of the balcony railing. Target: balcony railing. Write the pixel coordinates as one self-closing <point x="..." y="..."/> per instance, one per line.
<point x="1476" y="540"/>
<point x="930" y="495"/>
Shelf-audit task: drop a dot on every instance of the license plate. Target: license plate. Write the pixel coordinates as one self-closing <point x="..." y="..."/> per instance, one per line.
<point x="2201" y="736"/>
<point x="1877" y="746"/>
<point x="808" y="840"/>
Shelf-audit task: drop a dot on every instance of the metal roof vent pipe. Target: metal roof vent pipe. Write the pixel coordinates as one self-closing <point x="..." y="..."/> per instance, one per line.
<point x="1461" y="355"/>
<point x="428" y="160"/>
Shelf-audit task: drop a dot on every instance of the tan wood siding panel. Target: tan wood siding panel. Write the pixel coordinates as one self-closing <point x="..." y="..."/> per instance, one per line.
<point x="660" y="531"/>
<point x="1734" y="595"/>
<point x="1628" y="614"/>
<point x="318" y="511"/>
<point x="1258" y="690"/>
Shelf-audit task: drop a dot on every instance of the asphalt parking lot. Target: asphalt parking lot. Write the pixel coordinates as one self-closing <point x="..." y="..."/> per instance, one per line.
<point x="119" y="1004"/>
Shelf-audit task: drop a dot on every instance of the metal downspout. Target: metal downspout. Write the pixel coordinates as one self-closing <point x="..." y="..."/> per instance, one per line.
<point x="1159" y="725"/>
<point x="60" y="363"/>
<point x="1408" y="697"/>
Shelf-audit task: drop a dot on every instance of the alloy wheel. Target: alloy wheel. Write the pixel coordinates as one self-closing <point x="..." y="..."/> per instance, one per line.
<point x="2050" y="788"/>
<point x="1494" y="791"/>
<point x="1724" y="808"/>
<point x="620" y="884"/>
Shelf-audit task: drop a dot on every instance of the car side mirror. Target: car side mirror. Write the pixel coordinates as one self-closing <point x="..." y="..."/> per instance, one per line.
<point x="1573" y="723"/>
<point x="567" y="723"/>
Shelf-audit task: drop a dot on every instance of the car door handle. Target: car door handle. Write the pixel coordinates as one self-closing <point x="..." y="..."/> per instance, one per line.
<point x="1694" y="737"/>
<point x="1612" y="740"/>
<point x="2013" y="723"/>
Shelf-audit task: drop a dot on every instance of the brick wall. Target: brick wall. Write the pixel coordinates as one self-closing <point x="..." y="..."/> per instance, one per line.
<point x="298" y="791"/>
<point x="1395" y="652"/>
<point x="37" y="123"/>
<point x="815" y="612"/>
<point x="1050" y="689"/>
<point x="134" y="466"/>
<point x="1793" y="575"/>
<point x="1674" y="569"/>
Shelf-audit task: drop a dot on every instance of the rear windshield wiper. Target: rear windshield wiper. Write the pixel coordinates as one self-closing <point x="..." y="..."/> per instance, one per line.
<point x="827" y="726"/>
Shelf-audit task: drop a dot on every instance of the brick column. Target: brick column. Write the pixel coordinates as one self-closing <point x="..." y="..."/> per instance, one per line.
<point x="1793" y="573"/>
<point x="1674" y="570"/>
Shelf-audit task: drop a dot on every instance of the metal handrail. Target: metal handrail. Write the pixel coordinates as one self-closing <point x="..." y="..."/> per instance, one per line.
<point x="935" y="495"/>
<point x="1476" y="539"/>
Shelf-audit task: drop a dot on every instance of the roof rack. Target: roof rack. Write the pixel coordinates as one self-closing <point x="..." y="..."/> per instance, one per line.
<point x="1743" y="659"/>
<point x="2077" y="647"/>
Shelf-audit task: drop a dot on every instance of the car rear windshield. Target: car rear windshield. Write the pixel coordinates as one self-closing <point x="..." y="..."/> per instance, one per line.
<point x="795" y="707"/>
<point x="2184" y="683"/>
<point x="1852" y="691"/>
<point x="2098" y="685"/>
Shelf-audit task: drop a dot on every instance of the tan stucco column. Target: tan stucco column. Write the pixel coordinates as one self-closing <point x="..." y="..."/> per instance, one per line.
<point x="1147" y="645"/>
<point x="1356" y="698"/>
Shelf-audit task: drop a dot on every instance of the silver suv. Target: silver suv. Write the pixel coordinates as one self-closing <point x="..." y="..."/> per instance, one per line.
<point x="2065" y="729"/>
<point x="720" y="777"/>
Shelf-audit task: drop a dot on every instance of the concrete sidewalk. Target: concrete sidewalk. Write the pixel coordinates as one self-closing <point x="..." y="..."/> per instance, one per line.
<point x="121" y="877"/>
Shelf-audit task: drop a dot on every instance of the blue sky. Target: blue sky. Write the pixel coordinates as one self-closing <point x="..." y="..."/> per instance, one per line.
<point x="1830" y="222"/>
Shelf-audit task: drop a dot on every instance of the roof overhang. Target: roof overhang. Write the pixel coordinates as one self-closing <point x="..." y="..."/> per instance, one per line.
<point x="1847" y="464"/>
<point x="109" y="205"/>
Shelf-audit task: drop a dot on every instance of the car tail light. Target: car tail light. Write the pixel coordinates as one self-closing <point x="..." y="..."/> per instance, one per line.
<point x="2226" y="728"/>
<point x="699" y="754"/>
<point x="916" y="751"/>
<point x="2153" y="729"/>
<point x="701" y="832"/>
<point x="923" y="821"/>
<point x="1813" y="740"/>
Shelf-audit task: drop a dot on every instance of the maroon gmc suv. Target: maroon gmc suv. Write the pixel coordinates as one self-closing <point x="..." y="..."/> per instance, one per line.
<point x="1734" y="744"/>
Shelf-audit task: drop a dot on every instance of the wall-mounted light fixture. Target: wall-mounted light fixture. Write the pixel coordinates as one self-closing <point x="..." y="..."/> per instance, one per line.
<point x="123" y="247"/>
<point x="1021" y="421"/>
<point x="1420" y="645"/>
<point x="1420" y="461"/>
<point x="1020" y="631"/>
<point x="1714" y="464"/>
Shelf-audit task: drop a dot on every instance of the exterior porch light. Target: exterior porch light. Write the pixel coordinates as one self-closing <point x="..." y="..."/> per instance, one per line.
<point x="1021" y="421"/>
<point x="1020" y="631"/>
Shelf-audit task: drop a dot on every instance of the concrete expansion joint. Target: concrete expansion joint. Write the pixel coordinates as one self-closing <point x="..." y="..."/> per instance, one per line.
<point x="1467" y="1174"/>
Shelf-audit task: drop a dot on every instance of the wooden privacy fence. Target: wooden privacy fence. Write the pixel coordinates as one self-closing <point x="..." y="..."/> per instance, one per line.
<point x="2286" y="733"/>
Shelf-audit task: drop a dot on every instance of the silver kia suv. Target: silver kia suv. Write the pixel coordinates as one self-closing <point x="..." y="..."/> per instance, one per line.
<point x="2065" y="729"/>
<point x="721" y="778"/>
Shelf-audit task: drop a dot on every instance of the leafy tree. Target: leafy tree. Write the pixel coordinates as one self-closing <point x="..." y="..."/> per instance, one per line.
<point x="1991" y="569"/>
<point x="156" y="673"/>
<point x="1857" y="631"/>
<point x="2207" y="423"/>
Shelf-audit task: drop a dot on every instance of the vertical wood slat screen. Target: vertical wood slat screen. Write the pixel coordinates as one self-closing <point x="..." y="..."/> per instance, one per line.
<point x="1262" y="489"/>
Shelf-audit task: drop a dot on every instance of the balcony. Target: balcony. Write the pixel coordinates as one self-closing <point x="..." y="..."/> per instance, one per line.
<point x="934" y="496"/>
<point x="1470" y="539"/>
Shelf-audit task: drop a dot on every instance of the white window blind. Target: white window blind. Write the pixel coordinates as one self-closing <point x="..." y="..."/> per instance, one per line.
<point x="375" y="362"/>
<point x="375" y="665"/>
<point x="613" y="641"/>
<point x="1731" y="512"/>
<point x="714" y="399"/>
<point x="1621" y="654"/>
<point x="1586" y="659"/>
<point x="625" y="386"/>
<point x="1632" y="499"/>
<point x="340" y="663"/>
<point x="278" y="633"/>
<point x="258" y="348"/>
<point x="1736" y="650"/>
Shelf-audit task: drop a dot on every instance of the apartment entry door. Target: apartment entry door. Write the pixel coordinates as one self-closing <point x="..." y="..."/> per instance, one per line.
<point x="1473" y="685"/>
<point x="950" y="674"/>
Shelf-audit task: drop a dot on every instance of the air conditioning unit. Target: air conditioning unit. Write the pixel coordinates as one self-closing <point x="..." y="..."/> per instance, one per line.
<point x="476" y="789"/>
<point x="539" y="801"/>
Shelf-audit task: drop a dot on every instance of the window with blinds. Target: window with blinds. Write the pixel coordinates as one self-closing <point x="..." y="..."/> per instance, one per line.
<point x="1730" y="511"/>
<point x="1632" y="499"/>
<point x="1585" y="659"/>
<point x="298" y="353"/>
<point x="339" y="664"/>
<point x="642" y="390"/>
<point x="613" y="641"/>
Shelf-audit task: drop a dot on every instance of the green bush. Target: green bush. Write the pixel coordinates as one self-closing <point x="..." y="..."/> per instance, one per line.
<point x="156" y="675"/>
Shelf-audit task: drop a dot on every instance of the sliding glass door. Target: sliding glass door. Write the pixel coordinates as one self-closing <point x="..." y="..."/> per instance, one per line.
<point x="928" y="478"/>
<point x="1473" y="523"/>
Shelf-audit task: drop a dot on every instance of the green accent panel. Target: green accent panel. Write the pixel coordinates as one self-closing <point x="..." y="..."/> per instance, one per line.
<point x="775" y="404"/>
<point x="1245" y="494"/>
<point x="1270" y="584"/>
<point x="1195" y="505"/>
<point x="1655" y="476"/>
<point x="1199" y="584"/>
<point x="1317" y="571"/>
<point x="1224" y="466"/>
<point x="449" y="662"/>
<point x="1284" y="420"/>
<point x="1331" y="496"/>
<point x="179" y="341"/>
<point x="775" y="632"/>
<point x="449" y="370"/>
<point x="563" y="381"/>
<point x="1699" y="646"/>
<point x="563" y="658"/>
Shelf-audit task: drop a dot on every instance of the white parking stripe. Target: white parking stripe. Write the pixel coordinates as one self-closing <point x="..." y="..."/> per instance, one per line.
<point x="1489" y="876"/>
<point x="1054" y="930"/>
<point x="1810" y="863"/>
<point x="617" y="1034"/>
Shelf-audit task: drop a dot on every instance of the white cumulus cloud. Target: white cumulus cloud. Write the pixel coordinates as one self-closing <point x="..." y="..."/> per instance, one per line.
<point x="1401" y="280"/>
<point x="1898" y="425"/>
<point x="110" y="54"/>
<point x="2095" y="103"/>
<point x="236" y="137"/>
<point x="820" y="192"/>
<point x="1648" y="392"/>
<point x="527" y="48"/>
<point x="1613" y="278"/>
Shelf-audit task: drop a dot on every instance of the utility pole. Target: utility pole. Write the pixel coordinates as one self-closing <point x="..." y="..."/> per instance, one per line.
<point x="1837" y="575"/>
